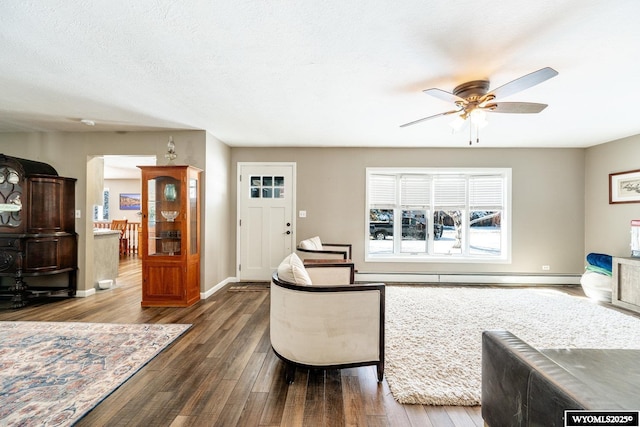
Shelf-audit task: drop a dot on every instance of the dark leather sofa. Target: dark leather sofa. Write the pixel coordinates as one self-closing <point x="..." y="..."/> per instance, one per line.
<point x="524" y="386"/>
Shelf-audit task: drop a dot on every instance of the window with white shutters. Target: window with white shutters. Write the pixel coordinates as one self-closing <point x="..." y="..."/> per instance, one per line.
<point x="439" y="214"/>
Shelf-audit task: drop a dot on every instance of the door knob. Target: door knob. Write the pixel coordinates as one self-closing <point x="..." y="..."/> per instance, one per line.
<point x="287" y="232"/>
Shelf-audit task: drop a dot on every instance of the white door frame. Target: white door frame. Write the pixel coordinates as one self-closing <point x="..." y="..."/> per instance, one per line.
<point x="239" y="167"/>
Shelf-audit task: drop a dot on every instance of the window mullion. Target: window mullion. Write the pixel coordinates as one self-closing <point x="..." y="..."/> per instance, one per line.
<point x="397" y="218"/>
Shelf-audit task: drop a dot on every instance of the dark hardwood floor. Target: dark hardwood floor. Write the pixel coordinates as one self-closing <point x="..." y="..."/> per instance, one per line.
<point x="222" y="372"/>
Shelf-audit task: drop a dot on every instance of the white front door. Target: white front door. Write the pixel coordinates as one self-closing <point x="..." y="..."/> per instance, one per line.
<point x="266" y="228"/>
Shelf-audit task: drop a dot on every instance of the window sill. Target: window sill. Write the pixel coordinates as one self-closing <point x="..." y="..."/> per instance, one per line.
<point x="437" y="259"/>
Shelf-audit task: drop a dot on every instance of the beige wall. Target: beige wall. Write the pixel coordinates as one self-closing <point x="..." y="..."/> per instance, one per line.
<point x="607" y="227"/>
<point x="69" y="153"/>
<point x="548" y="200"/>
<point x="218" y="259"/>
<point x="116" y="187"/>
<point x="560" y="196"/>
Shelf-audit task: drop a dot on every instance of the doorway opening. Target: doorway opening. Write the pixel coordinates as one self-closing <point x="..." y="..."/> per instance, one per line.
<point x="113" y="193"/>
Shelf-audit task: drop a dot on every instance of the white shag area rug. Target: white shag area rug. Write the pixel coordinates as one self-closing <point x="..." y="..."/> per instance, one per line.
<point x="434" y="334"/>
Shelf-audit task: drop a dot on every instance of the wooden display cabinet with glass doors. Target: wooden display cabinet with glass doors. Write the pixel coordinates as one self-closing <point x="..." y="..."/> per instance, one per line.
<point x="170" y="236"/>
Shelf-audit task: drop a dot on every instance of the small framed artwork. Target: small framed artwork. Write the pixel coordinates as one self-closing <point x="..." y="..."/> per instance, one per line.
<point x="130" y="201"/>
<point x="624" y="187"/>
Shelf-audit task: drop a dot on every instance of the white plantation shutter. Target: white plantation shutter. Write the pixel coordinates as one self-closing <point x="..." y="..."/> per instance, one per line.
<point x="382" y="191"/>
<point x="486" y="192"/>
<point x="450" y="191"/>
<point x="415" y="191"/>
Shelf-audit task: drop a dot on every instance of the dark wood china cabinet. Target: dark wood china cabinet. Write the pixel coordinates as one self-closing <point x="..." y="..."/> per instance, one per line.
<point x="37" y="230"/>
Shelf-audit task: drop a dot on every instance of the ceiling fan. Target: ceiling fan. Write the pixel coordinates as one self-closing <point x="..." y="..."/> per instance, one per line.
<point x="473" y="99"/>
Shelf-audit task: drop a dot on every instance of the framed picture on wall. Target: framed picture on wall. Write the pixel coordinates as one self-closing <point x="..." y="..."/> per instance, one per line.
<point x="130" y="201"/>
<point x="624" y="187"/>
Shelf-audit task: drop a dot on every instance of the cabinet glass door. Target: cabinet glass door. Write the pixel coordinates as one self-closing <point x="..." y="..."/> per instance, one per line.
<point x="164" y="216"/>
<point x="193" y="214"/>
<point x="10" y="197"/>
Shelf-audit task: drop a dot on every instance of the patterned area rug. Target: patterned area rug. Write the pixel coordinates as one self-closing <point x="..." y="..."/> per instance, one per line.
<point x="51" y="374"/>
<point x="433" y="347"/>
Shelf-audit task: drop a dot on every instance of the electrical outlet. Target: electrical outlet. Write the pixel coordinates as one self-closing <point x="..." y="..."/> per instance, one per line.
<point x="546" y="267"/>
<point x="78" y="213"/>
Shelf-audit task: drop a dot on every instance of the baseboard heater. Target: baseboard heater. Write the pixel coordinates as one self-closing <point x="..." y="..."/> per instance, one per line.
<point x="471" y="279"/>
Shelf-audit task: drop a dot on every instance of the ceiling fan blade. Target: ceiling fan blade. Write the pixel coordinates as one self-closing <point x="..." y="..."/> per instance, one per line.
<point x="430" y="117"/>
<point x="524" y="82"/>
<point x="514" y="107"/>
<point x="443" y="95"/>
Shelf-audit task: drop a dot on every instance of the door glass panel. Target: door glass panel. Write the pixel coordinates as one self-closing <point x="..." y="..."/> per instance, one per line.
<point x="193" y="215"/>
<point x="164" y="216"/>
<point x="278" y="187"/>
<point x="151" y="217"/>
<point x="256" y="184"/>
<point x="10" y="198"/>
<point x="267" y="187"/>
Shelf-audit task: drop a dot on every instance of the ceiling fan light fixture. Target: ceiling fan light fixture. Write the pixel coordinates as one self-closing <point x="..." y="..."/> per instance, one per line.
<point x="479" y="118"/>
<point x="457" y="123"/>
<point x="473" y="99"/>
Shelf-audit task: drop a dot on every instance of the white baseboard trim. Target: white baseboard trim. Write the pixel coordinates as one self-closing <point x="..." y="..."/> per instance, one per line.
<point x="86" y="293"/>
<point x="488" y="279"/>
<point x="216" y="288"/>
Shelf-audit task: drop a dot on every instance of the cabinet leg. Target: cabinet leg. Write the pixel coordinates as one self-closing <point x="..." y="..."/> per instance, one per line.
<point x="73" y="283"/>
<point x="19" y="290"/>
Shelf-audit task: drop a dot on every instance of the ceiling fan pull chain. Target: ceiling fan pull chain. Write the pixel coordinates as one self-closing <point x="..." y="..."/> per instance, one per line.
<point x="471" y="134"/>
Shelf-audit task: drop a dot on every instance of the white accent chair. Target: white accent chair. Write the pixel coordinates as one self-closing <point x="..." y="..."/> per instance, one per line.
<point x="323" y="325"/>
<point x="314" y="248"/>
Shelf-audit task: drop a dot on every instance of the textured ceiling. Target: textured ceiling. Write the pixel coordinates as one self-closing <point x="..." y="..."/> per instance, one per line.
<point x="318" y="73"/>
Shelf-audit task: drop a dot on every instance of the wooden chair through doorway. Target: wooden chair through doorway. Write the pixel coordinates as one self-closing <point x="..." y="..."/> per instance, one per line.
<point x="121" y="225"/>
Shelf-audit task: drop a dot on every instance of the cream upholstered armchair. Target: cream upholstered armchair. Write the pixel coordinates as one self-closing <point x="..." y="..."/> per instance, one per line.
<point x="321" y="325"/>
<point x="313" y="248"/>
<point x="327" y="271"/>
